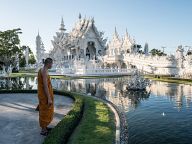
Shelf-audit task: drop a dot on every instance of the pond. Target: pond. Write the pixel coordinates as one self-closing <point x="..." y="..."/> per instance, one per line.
<point x="161" y="115"/>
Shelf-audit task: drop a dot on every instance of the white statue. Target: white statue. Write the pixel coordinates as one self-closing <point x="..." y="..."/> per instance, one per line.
<point x="9" y="71"/>
<point x="17" y="60"/>
<point x="27" y="56"/>
<point x="137" y="82"/>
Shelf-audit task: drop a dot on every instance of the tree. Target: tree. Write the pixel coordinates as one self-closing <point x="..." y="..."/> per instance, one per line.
<point x="22" y="57"/>
<point x="157" y="52"/>
<point x="189" y="52"/>
<point x="9" y="45"/>
<point x="32" y="59"/>
<point x="137" y="48"/>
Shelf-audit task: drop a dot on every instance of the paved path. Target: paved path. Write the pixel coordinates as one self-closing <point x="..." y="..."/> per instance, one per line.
<point x="19" y="120"/>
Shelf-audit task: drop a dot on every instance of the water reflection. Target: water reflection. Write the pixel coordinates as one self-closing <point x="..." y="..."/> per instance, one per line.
<point x="141" y="110"/>
<point x="179" y="94"/>
<point x="17" y="83"/>
<point x="137" y="96"/>
<point x="114" y="90"/>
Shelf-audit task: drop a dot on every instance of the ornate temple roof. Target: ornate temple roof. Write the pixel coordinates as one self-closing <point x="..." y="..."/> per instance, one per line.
<point x="117" y="42"/>
<point x="127" y="39"/>
<point x="81" y="29"/>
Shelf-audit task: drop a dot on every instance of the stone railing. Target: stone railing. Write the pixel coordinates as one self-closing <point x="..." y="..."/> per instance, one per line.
<point x="103" y="71"/>
<point x="93" y="71"/>
<point x="156" y="61"/>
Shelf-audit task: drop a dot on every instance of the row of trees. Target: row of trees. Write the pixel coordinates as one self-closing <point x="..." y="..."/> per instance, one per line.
<point x="153" y="52"/>
<point x="10" y="48"/>
<point x="157" y="52"/>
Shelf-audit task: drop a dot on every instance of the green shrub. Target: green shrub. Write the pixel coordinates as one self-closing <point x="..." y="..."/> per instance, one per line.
<point x="61" y="133"/>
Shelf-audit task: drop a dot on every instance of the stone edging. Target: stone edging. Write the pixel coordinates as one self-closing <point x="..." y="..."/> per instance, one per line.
<point x="117" y="119"/>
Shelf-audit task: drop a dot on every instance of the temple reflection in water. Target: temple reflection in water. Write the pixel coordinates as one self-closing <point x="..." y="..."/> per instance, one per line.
<point x="18" y="83"/>
<point x="176" y="93"/>
<point x="112" y="89"/>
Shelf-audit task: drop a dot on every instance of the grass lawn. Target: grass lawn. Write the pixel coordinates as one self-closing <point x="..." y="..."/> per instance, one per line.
<point x="27" y="71"/>
<point x="60" y="77"/>
<point x="171" y="80"/>
<point x="23" y="74"/>
<point x="96" y="77"/>
<point x="97" y="125"/>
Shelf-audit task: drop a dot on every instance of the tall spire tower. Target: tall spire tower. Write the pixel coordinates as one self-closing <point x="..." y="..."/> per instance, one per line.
<point x="40" y="50"/>
<point x="38" y="44"/>
<point x="79" y="16"/>
<point x="62" y="28"/>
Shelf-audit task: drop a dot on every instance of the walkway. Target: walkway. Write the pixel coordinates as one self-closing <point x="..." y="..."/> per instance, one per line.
<point x="19" y="120"/>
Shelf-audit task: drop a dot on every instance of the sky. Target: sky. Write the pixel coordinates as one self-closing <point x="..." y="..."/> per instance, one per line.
<point x="160" y="23"/>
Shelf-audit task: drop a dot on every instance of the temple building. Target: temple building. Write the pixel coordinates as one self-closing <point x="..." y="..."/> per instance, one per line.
<point x="84" y="42"/>
<point x="85" y="51"/>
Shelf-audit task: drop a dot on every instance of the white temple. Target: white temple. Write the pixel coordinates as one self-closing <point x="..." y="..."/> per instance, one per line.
<point x="85" y="51"/>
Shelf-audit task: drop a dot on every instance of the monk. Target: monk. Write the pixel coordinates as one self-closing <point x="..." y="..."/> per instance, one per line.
<point x="45" y="96"/>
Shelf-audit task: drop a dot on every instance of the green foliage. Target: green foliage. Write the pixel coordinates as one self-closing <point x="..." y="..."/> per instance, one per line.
<point x="32" y="59"/>
<point x="157" y="52"/>
<point x="189" y="53"/>
<point x="22" y="62"/>
<point x="9" y="44"/>
<point x="170" y="79"/>
<point x="63" y="130"/>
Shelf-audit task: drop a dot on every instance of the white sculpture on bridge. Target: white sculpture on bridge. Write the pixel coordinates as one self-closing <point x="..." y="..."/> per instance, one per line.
<point x="137" y="82"/>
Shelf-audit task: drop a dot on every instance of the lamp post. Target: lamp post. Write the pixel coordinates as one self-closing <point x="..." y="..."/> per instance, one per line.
<point x="163" y="47"/>
<point x="189" y="47"/>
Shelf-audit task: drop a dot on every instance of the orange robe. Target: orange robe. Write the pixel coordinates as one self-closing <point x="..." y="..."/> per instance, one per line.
<point x="45" y="112"/>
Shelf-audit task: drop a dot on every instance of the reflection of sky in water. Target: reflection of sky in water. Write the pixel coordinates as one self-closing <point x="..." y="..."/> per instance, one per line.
<point x="161" y="116"/>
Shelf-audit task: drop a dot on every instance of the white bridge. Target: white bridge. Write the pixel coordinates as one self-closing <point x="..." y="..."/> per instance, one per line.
<point x="91" y="71"/>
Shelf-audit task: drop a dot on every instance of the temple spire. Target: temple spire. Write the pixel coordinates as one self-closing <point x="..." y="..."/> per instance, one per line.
<point x="126" y="34"/>
<point x="79" y="16"/>
<point x="38" y="36"/>
<point x="62" y="28"/>
<point x="38" y="32"/>
<point x="116" y="31"/>
<point x="116" y="36"/>
<point x="92" y="20"/>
